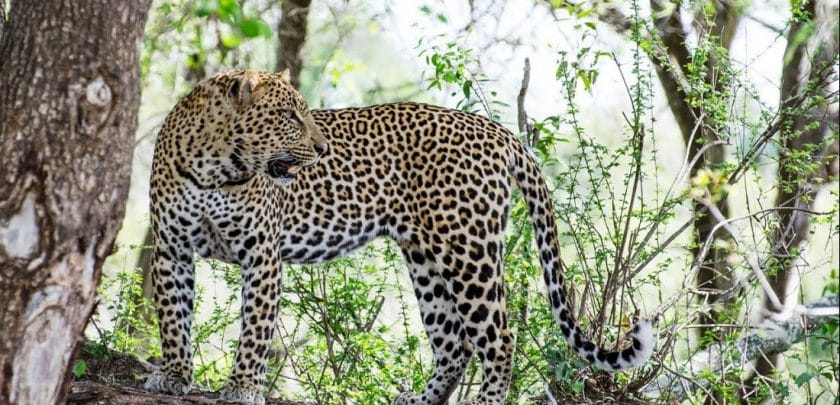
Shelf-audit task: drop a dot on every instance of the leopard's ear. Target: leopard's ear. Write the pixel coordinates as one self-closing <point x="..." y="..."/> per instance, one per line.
<point x="286" y="75"/>
<point x="241" y="90"/>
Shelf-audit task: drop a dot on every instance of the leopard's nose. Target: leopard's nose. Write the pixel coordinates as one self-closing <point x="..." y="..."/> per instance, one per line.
<point x="322" y="148"/>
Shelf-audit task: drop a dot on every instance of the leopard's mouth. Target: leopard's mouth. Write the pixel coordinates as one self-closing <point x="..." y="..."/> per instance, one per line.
<point x="284" y="168"/>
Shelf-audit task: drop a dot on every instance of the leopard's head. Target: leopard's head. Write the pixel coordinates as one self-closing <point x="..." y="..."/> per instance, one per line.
<point x="270" y="129"/>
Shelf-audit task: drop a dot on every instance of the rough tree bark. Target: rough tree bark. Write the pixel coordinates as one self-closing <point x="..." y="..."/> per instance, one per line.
<point x="805" y="76"/>
<point x="291" y="33"/>
<point x="69" y="94"/>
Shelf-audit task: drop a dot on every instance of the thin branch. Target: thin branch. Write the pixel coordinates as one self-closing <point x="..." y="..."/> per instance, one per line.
<point x="769" y="26"/>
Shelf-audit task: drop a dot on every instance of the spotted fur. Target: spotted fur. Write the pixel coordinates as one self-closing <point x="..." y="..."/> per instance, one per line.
<point x="245" y="173"/>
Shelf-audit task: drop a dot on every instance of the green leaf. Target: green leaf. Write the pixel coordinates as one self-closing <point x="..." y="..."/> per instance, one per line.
<point x="587" y="77"/>
<point x="254" y="27"/>
<point x="79" y="368"/>
<point x="230" y="41"/>
<point x="467" y="87"/>
<point x="165" y="8"/>
<point x="803" y="378"/>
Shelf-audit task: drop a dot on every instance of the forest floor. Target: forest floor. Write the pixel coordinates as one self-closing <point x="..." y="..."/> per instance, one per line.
<point x="117" y="378"/>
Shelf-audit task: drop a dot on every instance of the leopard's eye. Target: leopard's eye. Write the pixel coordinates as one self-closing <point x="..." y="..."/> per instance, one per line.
<point x="294" y="117"/>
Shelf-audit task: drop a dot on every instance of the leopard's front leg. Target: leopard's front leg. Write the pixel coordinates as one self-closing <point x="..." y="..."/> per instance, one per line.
<point x="261" y="279"/>
<point x="173" y="281"/>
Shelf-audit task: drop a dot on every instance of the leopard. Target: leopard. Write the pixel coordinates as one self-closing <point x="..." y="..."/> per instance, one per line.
<point x="245" y="173"/>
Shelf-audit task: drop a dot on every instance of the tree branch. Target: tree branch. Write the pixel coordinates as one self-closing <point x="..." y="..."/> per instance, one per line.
<point x="670" y="74"/>
<point x="770" y="337"/>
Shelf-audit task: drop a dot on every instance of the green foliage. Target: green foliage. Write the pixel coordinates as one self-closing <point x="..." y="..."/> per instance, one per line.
<point x="216" y="318"/>
<point x="79" y="368"/>
<point x="452" y="67"/>
<point x="208" y="33"/>
<point x="425" y="9"/>
<point x="132" y="328"/>
<point x="358" y="344"/>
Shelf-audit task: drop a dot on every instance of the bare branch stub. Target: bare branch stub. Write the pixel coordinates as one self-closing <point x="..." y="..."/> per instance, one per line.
<point x="522" y="115"/>
<point x="531" y="133"/>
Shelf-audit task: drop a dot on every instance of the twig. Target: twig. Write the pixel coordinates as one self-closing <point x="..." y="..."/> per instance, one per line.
<point x="549" y="396"/>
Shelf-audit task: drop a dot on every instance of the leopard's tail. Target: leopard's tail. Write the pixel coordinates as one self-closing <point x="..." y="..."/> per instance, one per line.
<point x="535" y="191"/>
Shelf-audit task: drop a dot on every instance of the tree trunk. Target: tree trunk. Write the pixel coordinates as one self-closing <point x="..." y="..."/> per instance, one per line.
<point x="69" y="94"/>
<point x="291" y="33"/>
<point x="804" y="134"/>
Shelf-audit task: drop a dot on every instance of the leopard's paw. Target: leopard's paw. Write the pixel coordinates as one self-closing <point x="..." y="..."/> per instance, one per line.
<point x="158" y="381"/>
<point x="406" y="398"/>
<point x="248" y="395"/>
